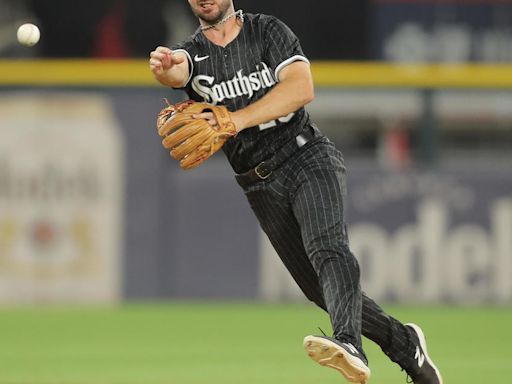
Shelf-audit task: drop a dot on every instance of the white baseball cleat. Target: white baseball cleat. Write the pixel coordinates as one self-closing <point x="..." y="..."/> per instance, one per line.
<point x="343" y="357"/>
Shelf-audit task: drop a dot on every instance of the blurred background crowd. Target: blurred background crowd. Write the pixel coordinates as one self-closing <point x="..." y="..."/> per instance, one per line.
<point x="395" y="30"/>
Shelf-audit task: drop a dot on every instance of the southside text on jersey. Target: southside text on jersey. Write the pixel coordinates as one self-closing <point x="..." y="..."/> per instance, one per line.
<point x="239" y="85"/>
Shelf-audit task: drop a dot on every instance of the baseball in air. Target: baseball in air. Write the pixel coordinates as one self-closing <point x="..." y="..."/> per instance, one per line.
<point x="28" y="35"/>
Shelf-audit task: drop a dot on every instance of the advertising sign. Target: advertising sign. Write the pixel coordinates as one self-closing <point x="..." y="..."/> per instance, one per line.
<point x="60" y="199"/>
<point x="443" y="236"/>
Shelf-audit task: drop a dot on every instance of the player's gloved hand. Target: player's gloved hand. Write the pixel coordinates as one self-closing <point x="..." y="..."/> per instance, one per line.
<point x="193" y="135"/>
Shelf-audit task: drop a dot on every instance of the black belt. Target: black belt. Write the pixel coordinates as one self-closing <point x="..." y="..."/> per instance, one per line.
<point x="264" y="169"/>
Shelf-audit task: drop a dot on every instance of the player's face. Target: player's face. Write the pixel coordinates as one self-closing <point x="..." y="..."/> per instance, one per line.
<point x="210" y="11"/>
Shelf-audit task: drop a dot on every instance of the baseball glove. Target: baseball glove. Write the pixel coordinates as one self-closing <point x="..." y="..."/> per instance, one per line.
<point x="193" y="141"/>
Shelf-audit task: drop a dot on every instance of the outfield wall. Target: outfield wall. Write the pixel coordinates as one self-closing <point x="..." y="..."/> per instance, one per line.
<point x="93" y="210"/>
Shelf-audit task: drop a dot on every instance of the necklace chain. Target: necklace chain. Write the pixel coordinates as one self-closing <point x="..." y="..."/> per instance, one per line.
<point x="239" y="14"/>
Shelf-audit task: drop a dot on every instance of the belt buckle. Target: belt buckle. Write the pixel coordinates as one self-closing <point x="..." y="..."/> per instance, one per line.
<point x="264" y="173"/>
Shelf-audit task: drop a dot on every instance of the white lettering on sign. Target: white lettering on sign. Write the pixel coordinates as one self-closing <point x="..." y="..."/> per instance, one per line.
<point x="429" y="260"/>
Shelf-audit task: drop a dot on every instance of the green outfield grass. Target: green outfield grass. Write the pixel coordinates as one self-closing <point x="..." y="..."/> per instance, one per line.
<point x="214" y="343"/>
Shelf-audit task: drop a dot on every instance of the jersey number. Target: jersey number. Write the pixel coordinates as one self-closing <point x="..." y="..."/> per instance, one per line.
<point x="273" y="123"/>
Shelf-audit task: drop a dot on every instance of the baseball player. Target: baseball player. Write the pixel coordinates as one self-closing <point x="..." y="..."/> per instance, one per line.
<point x="291" y="174"/>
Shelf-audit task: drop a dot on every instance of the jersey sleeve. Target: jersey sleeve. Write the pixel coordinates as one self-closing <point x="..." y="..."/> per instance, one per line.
<point x="186" y="47"/>
<point x="281" y="46"/>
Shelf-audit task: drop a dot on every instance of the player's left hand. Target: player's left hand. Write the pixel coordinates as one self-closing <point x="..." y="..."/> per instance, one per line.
<point x="235" y="117"/>
<point x="208" y="116"/>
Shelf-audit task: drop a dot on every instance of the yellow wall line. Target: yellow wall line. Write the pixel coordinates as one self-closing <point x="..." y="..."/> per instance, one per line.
<point x="326" y="74"/>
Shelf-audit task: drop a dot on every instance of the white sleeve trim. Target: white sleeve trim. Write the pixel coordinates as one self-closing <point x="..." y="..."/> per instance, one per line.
<point x="190" y="61"/>
<point x="287" y="62"/>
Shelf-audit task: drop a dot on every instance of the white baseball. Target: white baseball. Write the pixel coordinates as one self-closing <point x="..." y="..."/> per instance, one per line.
<point x="28" y="34"/>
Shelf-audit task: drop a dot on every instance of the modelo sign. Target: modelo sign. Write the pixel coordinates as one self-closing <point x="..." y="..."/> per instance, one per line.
<point x="444" y="236"/>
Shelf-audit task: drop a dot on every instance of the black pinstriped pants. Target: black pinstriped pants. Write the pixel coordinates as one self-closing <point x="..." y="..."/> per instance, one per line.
<point x="301" y="209"/>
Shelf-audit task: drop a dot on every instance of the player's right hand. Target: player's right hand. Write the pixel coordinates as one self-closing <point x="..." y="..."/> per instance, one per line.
<point x="163" y="59"/>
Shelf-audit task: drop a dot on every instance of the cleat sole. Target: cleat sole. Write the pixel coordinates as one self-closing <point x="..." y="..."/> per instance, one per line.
<point x="329" y="354"/>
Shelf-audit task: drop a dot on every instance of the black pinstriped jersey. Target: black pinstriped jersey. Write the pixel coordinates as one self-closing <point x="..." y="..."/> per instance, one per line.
<point x="241" y="73"/>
